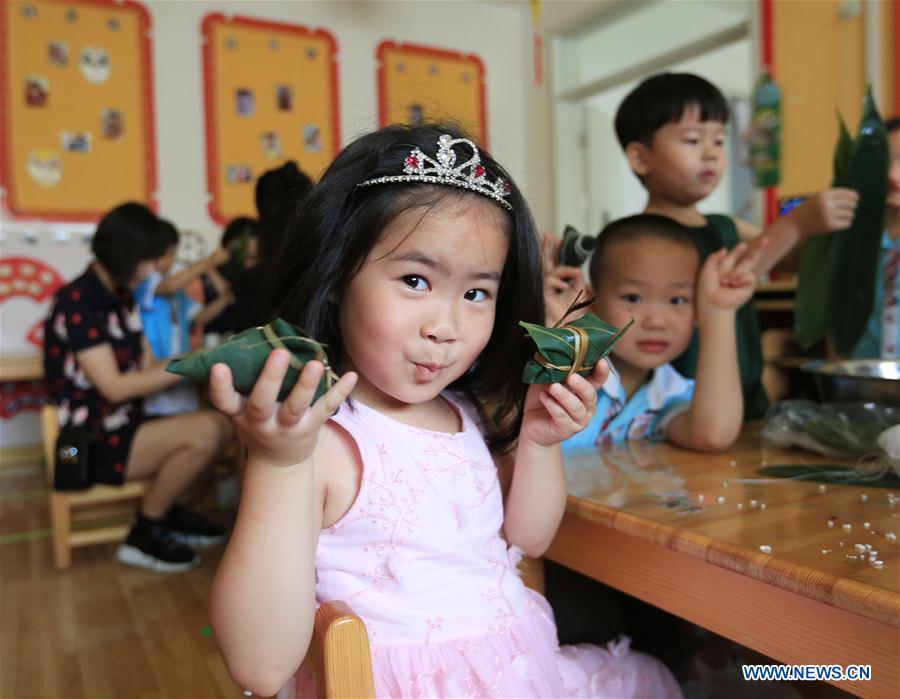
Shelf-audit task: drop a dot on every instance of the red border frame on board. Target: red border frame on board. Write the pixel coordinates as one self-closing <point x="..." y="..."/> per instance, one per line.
<point x="212" y="163"/>
<point x="435" y="53"/>
<point x="767" y="51"/>
<point x="6" y="168"/>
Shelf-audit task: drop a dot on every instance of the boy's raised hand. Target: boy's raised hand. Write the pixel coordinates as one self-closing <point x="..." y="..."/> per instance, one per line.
<point x="562" y="285"/>
<point x="279" y="434"/>
<point x="827" y="211"/>
<point x="726" y="280"/>
<point x="556" y="412"/>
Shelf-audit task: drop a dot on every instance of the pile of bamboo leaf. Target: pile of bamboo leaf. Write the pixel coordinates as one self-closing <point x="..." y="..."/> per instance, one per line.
<point x="837" y="273"/>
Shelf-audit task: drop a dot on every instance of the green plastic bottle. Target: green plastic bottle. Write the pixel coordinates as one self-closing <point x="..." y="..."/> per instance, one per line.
<point x="765" y="141"/>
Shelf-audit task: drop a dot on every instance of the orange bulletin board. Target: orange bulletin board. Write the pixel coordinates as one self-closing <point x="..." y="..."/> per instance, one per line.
<point x="76" y="124"/>
<point x="271" y="96"/>
<point x="417" y="83"/>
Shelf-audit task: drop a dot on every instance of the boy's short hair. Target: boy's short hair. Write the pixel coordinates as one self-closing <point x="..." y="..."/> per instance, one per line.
<point x="661" y="99"/>
<point x="634" y="228"/>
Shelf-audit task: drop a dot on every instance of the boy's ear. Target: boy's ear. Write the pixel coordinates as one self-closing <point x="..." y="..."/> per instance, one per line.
<point x="638" y="156"/>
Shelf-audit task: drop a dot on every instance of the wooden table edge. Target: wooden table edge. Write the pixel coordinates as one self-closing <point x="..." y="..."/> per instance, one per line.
<point x="775" y="621"/>
<point x="856" y="597"/>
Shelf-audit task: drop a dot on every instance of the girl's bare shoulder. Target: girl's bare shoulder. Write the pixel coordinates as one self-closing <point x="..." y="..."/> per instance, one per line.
<point x="339" y="470"/>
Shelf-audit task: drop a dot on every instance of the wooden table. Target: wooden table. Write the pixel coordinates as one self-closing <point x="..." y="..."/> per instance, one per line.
<point x="806" y="601"/>
<point x="21" y="367"/>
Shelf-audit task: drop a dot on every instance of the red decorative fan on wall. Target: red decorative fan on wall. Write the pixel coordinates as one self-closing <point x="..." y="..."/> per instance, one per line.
<point x="31" y="278"/>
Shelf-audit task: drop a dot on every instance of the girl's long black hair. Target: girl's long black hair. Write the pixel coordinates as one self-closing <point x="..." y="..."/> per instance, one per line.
<point x="337" y="225"/>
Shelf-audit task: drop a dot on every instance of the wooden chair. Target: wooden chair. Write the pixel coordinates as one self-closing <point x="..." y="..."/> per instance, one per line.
<point x="63" y="503"/>
<point x="338" y="655"/>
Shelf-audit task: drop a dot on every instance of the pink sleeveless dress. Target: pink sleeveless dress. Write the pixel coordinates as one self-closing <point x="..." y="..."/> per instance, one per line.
<point x="419" y="557"/>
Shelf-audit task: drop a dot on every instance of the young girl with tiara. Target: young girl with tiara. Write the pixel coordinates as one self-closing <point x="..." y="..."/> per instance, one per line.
<point x="413" y="259"/>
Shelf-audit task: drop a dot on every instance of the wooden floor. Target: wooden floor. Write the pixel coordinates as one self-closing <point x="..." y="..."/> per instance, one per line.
<point x="100" y="629"/>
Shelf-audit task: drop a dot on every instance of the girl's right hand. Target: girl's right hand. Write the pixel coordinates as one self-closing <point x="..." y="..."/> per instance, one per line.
<point x="279" y="434"/>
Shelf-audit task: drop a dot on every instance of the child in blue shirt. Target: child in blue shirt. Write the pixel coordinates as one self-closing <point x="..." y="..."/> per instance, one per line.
<point x="647" y="267"/>
<point x="672" y="130"/>
<point x="167" y="313"/>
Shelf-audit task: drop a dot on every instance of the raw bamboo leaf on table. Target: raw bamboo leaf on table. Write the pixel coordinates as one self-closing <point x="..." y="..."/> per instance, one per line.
<point x="856" y="250"/>
<point x="246" y="354"/>
<point x="837" y="475"/>
<point x="812" y="305"/>
<point x="843" y="151"/>
<point x="571" y="348"/>
<point x="836" y="276"/>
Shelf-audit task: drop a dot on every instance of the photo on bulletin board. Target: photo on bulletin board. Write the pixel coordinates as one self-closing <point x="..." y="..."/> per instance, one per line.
<point x="271" y="95"/>
<point x="76" y="109"/>
<point x="417" y="83"/>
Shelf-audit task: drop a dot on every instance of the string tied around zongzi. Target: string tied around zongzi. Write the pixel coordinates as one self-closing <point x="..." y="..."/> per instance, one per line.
<point x="573" y="348"/>
<point x="330" y="377"/>
<point x="581" y="343"/>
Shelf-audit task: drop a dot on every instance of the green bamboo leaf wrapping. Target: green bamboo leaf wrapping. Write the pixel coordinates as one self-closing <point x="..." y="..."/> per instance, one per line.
<point x="856" y="250"/>
<point x="246" y="354"/>
<point x="557" y="347"/>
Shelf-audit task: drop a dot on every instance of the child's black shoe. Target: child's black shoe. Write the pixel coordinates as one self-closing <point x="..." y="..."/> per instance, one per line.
<point x="152" y="545"/>
<point x="191" y="529"/>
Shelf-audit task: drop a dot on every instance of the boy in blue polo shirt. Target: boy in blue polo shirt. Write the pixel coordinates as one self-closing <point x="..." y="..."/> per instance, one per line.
<point x="647" y="267"/>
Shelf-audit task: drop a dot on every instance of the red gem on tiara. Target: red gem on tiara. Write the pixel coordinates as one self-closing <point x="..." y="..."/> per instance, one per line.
<point x="412" y="161"/>
<point x="507" y="187"/>
<point x="479" y="171"/>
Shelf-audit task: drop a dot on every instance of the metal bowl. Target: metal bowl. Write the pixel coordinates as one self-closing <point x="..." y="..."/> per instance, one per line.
<point x="848" y="380"/>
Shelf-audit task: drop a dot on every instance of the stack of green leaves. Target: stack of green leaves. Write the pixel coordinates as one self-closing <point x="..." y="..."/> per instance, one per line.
<point x="836" y="277"/>
<point x="839" y="475"/>
<point x="246" y="352"/>
<point x="573" y="348"/>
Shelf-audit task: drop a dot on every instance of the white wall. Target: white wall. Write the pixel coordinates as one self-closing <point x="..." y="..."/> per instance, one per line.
<point x="615" y="191"/>
<point x="499" y="33"/>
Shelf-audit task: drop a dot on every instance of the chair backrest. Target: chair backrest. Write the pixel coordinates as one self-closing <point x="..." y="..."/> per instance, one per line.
<point x="338" y="654"/>
<point x="49" y="433"/>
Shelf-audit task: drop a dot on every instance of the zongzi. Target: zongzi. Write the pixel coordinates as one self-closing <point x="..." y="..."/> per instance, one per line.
<point x="246" y="354"/>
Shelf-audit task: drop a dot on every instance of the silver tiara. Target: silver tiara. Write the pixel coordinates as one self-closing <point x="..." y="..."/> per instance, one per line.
<point x="418" y="167"/>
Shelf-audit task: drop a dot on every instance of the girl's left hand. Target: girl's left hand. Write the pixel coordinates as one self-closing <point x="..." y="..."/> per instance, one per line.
<point x="556" y="412"/>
